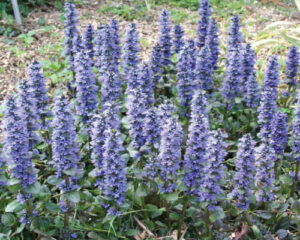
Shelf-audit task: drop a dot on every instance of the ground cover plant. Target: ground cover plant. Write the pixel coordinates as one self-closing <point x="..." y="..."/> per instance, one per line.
<point x="183" y="146"/>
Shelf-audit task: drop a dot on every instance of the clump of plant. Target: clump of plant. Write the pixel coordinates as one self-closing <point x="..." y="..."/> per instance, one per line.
<point x="173" y="146"/>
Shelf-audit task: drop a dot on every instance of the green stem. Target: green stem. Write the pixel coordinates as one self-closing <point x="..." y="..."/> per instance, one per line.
<point x="144" y="208"/>
<point x="182" y="217"/>
<point x="207" y="221"/>
<point x="248" y="218"/>
<point x="66" y="215"/>
<point x="29" y="207"/>
<point x="168" y="215"/>
<point x="295" y="179"/>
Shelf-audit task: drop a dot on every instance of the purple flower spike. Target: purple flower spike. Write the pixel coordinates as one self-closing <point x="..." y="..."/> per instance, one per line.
<point x="295" y="139"/>
<point x="264" y="178"/>
<point x="248" y="62"/>
<point x="70" y="31"/>
<point x="214" y="171"/>
<point x="115" y="186"/>
<point x="165" y="37"/>
<point x="178" y="41"/>
<point x="131" y="50"/>
<point x="235" y="36"/>
<point x="279" y="133"/>
<point x="245" y="169"/>
<point x="16" y="144"/>
<point x="212" y="41"/>
<point x="204" y="15"/>
<point x="203" y="71"/>
<point x="65" y="147"/>
<point x="28" y="106"/>
<point x="38" y="86"/>
<point x="170" y="153"/>
<point x="268" y="100"/>
<point x="292" y="66"/>
<point x="88" y="40"/>
<point x="195" y="157"/>
<point x="87" y="89"/>
<point x="185" y="76"/>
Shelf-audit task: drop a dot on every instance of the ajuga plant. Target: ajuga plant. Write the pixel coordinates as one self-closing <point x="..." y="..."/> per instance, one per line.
<point x="252" y="94"/>
<point x="203" y="22"/>
<point x="268" y="100"/>
<point x="295" y="142"/>
<point x="136" y="105"/>
<point x="115" y="42"/>
<point x="185" y="77"/>
<point x="264" y="178"/>
<point x="114" y="171"/>
<point x="88" y="40"/>
<point x="195" y="158"/>
<point x="247" y="65"/>
<point x="28" y="105"/>
<point x="38" y="86"/>
<point x="210" y="188"/>
<point x="165" y="37"/>
<point x="212" y="41"/>
<point x="111" y="88"/>
<point x="235" y="36"/>
<point x="70" y="31"/>
<point x="292" y="66"/>
<point x="77" y="45"/>
<point x="142" y="143"/>
<point x="178" y="41"/>
<point x="98" y="41"/>
<point x="17" y="155"/>
<point x="86" y="94"/>
<point x="245" y="170"/>
<point x="145" y="81"/>
<point x="203" y="70"/>
<point x="156" y="63"/>
<point x="97" y="134"/>
<point x="66" y="154"/>
<point x="170" y="153"/>
<point x="131" y="51"/>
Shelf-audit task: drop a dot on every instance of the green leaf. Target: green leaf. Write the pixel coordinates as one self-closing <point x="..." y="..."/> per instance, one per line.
<point x="53" y="180"/>
<point x="171" y="197"/>
<point x="8" y="219"/>
<point x="73" y="196"/>
<point x="256" y="232"/>
<point x="14" y="206"/>
<point x="52" y="207"/>
<point x="132" y="232"/>
<point x="292" y="40"/>
<point x="142" y="190"/>
<point x="33" y="189"/>
<point x="265" y="215"/>
<point x="296" y="207"/>
<point x="154" y="211"/>
<point x="217" y="214"/>
<point x="174" y="216"/>
<point x="286" y="180"/>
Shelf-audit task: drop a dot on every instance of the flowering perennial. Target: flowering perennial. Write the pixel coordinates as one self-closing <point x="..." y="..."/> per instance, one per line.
<point x="195" y="158"/>
<point x="245" y="170"/>
<point x="212" y="41"/>
<point x="178" y="41"/>
<point x="16" y="145"/>
<point x="210" y="187"/>
<point x="114" y="171"/>
<point x="170" y="153"/>
<point x="70" y="31"/>
<point x="292" y="66"/>
<point x="203" y="22"/>
<point x="87" y="89"/>
<point x="165" y="37"/>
